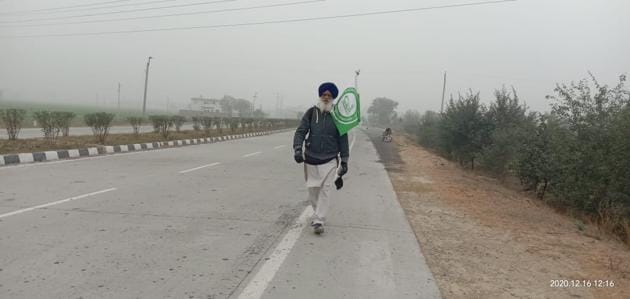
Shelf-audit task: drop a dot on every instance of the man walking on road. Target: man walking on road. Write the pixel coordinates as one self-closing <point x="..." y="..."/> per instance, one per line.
<point x="325" y="147"/>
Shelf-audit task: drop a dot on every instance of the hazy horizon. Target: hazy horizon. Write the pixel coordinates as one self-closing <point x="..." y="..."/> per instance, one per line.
<point x="528" y="44"/>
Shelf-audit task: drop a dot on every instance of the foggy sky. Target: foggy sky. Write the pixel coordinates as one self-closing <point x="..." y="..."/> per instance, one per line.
<point x="528" y="44"/>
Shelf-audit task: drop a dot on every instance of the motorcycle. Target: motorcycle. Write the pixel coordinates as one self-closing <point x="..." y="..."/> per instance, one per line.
<point x="387" y="138"/>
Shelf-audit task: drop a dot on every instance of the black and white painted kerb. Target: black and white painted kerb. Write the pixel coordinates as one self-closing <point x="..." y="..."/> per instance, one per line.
<point x="106" y="150"/>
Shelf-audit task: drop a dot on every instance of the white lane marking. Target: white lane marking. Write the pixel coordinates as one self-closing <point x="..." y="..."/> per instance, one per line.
<point x="200" y="167"/>
<point x="354" y="138"/>
<point x="280" y="146"/>
<point x="55" y="203"/>
<point x="268" y="270"/>
<point x="252" y="154"/>
<point x="260" y="282"/>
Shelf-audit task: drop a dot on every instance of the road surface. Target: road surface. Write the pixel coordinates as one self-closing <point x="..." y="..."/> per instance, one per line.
<point x="223" y="220"/>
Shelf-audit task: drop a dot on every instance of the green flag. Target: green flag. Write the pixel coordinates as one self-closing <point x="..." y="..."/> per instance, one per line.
<point x="347" y="111"/>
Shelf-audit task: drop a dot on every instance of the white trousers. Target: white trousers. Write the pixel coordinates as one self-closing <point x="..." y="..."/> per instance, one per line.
<point x="319" y="179"/>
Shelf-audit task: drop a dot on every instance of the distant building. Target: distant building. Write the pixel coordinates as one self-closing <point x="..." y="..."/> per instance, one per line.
<point x="205" y="105"/>
<point x="200" y="106"/>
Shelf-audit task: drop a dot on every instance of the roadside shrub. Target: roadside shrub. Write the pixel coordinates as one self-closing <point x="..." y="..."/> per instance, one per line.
<point x="162" y="124"/>
<point x="428" y="132"/>
<point x="136" y="123"/>
<point x="207" y="122"/>
<point x="251" y="124"/>
<point x="100" y="123"/>
<point x="576" y="157"/>
<point x="12" y="120"/>
<point x="247" y="124"/>
<point x="62" y="121"/>
<point x="233" y="124"/>
<point x="538" y="160"/>
<point x="178" y="121"/>
<point x="507" y="126"/>
<point x="54" y="123"/>
<point x="196" y="123"/>
<point x="464" y="129"/>
<point x="46" y="121"/>
<point x="219" y="122"/>
<point x="244" y="122"/>
<point x="411" y="122"/>
<point x="593" y="115"/>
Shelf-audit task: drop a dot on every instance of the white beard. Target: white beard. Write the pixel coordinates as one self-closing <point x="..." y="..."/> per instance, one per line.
<point x="324" y="107"/>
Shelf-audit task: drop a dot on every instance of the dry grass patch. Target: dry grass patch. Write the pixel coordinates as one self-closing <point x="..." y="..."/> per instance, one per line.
<point x="484" y="240"/>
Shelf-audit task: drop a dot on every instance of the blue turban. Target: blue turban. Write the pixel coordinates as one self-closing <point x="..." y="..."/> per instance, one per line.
<point x="329" y="86"/>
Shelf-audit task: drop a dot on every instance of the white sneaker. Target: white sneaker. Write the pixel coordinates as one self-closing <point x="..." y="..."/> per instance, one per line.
<point x="318" y="228"/>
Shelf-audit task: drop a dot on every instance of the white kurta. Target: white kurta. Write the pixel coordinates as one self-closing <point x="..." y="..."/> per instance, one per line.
<point x="315" y="175"/>
<point x="319" y="179"/>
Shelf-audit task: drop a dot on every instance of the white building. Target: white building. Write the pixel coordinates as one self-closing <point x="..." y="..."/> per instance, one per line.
<point x="205" y="105"/>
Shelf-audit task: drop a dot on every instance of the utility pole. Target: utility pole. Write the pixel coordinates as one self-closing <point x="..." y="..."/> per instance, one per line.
<point x="118" y="96"/>
<point x="282" y="106"/>
<point x="146" y="82"/>
<point x="254" y="104"/>
<point x="278" y="105"/>
<point x="443" y="92"/>
<point x="356" y="80"/>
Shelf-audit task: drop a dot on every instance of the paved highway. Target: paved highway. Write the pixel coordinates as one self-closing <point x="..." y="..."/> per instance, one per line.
<point x="223" y="220"/>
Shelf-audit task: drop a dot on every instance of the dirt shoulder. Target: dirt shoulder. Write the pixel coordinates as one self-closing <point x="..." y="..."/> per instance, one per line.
<point x="484" y="240"/>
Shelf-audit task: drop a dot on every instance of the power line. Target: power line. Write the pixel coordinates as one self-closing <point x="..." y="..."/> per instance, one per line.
<point x="61" y="7"/>
<point x="120" y="5"/>
<point x="118" y="12"/>
<point x="264" y="22"/>
<point x="170" y="15"/>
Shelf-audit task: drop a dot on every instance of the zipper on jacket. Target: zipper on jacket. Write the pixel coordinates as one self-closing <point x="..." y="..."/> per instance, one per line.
<point x="323" y="132"/>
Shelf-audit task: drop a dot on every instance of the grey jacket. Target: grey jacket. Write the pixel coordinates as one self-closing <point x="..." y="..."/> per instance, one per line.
<point x="323" y="142"/>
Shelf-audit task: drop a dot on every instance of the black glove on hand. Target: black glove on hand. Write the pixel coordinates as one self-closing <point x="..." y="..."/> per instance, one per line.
<point x="339" y="183"/>
<point x="298" y="156"/>
<point x="344" y="169"/>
